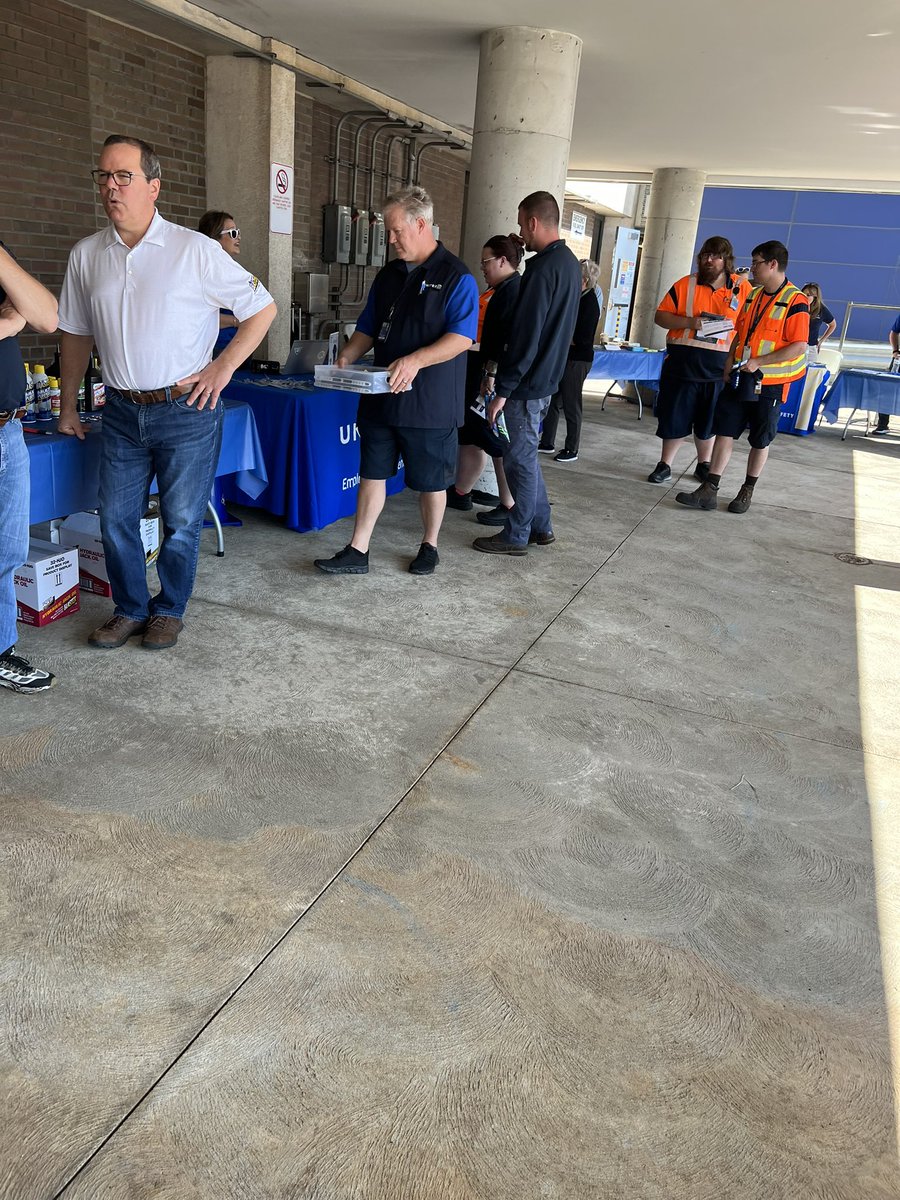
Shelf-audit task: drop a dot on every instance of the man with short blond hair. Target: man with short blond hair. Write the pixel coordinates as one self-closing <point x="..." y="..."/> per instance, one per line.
<point x="420" y="317"/>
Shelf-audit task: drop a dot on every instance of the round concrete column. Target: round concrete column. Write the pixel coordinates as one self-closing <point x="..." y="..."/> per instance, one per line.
<point x="668" y="251"/>
<point x="527" y="80"/>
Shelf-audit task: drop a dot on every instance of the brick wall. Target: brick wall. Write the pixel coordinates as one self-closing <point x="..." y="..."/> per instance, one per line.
<point x="443" y="175"/>
<point x="69" y="79"/>
<point x="46" y="194"/>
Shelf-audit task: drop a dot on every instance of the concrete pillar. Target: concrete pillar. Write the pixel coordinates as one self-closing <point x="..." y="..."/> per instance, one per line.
<point x="249" y="125"/>
<point x="527" y="80"/>
<point x="668" y="250"/>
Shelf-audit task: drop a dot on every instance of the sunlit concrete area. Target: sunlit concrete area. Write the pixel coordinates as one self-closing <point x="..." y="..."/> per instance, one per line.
<point x="572" y="875"/>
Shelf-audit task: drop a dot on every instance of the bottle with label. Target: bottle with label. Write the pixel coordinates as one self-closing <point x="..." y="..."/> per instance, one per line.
<point x="54" y="397"/>
<point x="94" y="391"/>
<point x="29" y="417"/>
<point x="41" y="392"/>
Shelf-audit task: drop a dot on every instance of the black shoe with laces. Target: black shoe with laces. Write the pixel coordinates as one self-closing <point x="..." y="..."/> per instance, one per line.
<point x="543" y="448"/>
<point x="484" y="498"/>
<point x="567" y="456"/>
<point x="425" y="561"/>
<point x="661" y="473"/>
<point x="17" y="674"/>
<point x="494" y="516"/>
<point x="701" y="471"/>
<point x="348" y="561"/>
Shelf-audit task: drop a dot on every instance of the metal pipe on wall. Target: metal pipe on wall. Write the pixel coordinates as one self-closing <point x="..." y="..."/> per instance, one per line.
<point x="336" y="164"/>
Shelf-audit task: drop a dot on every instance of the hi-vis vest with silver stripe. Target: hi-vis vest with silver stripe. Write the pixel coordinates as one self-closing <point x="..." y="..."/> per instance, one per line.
<point x="685" y="306"/>
<point x="783" y="372"/>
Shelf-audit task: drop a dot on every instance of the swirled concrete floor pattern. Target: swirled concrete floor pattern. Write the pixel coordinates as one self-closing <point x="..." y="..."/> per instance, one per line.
<point x="545" y="877"/>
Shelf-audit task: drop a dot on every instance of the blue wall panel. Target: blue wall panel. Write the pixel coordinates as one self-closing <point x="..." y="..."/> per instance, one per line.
<point x="848" y="242"/>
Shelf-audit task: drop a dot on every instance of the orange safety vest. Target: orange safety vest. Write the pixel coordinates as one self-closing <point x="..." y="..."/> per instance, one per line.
<point x="482" y="307"/>
<point x="763" y="333"/>
<point x="727" y="305"/>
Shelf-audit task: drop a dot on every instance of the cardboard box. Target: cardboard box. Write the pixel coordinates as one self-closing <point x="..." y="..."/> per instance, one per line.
<point x="83" y="530"/>
<point x="47" y="585"/>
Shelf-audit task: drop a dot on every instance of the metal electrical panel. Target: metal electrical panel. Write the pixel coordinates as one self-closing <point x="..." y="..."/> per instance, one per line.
<point x="359" y="252"/>
<point x="311" y="291"/>
<point x="336" y="239"/>
<point x="376" y="239"/>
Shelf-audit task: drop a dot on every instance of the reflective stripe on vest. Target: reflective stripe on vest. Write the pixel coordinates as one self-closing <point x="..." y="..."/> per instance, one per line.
<point x="782" y="372"/>
<point x="686" y="337"/>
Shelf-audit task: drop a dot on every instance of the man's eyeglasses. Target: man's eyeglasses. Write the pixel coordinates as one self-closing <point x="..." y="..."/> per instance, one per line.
<point x="485" y="261"/>
<point x="234" y="234"/>
<point x="120" y="178"/>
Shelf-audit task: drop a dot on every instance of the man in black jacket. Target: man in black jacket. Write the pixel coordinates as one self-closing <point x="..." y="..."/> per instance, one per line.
<point x="421" y="314"/>
<point x="530" y="371"/>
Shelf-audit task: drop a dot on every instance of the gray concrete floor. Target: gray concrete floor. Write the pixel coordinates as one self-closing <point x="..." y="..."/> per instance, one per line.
<point x="565" y="876"/>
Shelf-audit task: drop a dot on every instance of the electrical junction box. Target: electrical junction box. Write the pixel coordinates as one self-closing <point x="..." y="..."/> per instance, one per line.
<point x="311" y="291"/>
<point x="359" y="252"/>
<point x="376" y="239"/>
<point x="336" y="233"/>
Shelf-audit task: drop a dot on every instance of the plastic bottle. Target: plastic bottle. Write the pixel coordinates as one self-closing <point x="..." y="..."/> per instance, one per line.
<point x="29" y="417"/>
<point x="41" y="392"/>
<point x="94" y="391"/>
<point x="54" y="397"/>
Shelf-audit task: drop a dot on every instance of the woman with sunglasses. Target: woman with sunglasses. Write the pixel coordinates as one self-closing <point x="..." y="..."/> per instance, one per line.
<point x="221" y="228"/>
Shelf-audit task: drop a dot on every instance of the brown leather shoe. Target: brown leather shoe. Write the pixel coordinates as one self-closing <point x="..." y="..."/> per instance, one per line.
<point x="541" y="539"/>
<point x="162" y="633"/>
<point x="115" y="632"/>
<point x="742" y="500"/>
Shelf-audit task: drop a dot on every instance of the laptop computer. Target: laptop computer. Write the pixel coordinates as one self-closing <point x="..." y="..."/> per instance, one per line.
<point x="304" y="357"/>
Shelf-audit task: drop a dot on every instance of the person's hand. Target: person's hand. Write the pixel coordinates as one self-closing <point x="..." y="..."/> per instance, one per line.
<point x="402" y="372"/>
<point x="487" y="385"/>
<point x="68" y="422"/>
<point x="495" y="408"/>
<point x="206" y="386"/>
<point x="343" y="360"/>
<point x="751" y="365"/>
<point x="11" y="321"/>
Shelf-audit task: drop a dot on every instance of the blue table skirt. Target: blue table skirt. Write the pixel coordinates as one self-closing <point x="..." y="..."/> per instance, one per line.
<point x="872" y="391"/>
<point x="65" y="471"/>
<point x="640" y="365"/>
<point x="311" y="449"/>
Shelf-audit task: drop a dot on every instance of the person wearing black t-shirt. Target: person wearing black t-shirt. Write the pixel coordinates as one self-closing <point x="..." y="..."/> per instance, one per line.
<point x="821" y="319"/>
<point x="22" y="300"/>
<point x="580" y="359"/>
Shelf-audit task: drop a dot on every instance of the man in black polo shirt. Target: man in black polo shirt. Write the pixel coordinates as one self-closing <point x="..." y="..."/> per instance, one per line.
<point x="421" y="315"/>
<point x="530" y="370"/>
<point x="22" y="299"/>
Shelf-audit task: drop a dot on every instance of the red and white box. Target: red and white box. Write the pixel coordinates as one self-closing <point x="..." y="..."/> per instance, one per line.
<point x="47" y="585"/>
<point x="83" y="530"/>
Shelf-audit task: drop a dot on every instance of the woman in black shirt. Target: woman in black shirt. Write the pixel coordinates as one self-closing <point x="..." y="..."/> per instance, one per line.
<point x="581" y="356"/>
<point x="821" y="320"/>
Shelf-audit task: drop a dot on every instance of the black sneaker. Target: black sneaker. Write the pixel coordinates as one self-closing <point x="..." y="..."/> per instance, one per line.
<point x="494" y="516"/>
<point x="567" y="456"/>
<point x="484" y="498"/>
<point x="348" y="561"/>
<point x="455" y="500"/>
<point x="425" y="561"/>
<point x="661" y="473"/>
<point x="544" y="449"/>
<point x="701" y="471"/>
<point x="17" y="674"/>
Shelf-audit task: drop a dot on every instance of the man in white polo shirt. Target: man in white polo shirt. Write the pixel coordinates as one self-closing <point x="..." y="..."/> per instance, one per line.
<point x="148" y="294"/>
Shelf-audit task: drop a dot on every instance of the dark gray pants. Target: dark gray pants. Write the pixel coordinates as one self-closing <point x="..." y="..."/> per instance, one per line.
<point x="568" y="401"/>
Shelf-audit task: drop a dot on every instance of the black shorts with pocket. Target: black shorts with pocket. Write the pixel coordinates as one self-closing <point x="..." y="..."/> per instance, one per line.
<point x="429" y="455"/>
<point x="475" y="431"/>
<point x="759" y="414"/>
<point x="686" y="406"/>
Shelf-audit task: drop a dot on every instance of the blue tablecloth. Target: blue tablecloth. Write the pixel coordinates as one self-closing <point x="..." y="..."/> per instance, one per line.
<point x="872" y="391"/>
<point x="64" y="471"/>
<point x="642" y="365"/>
<point x="311" y="449"/>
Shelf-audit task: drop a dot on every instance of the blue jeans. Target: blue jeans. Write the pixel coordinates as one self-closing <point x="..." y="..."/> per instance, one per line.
<point x="15" y="499"/>
<point x="523" y="471"/>
<point x="180" y="446"/>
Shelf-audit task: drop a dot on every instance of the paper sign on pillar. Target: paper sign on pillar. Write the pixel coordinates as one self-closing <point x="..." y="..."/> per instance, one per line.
<point x="83" y="530"/>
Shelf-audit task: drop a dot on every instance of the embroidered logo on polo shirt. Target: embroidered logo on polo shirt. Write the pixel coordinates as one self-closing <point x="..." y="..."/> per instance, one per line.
<point x="254" y="283"/>
<point x="436" y="286"/>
